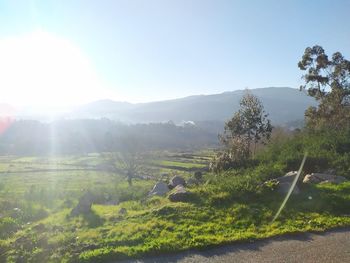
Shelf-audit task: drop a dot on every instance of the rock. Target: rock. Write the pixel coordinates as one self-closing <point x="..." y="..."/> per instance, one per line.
<point x="288" y="177"/>
<point x="316" y="178"/>
<point x="176" y="180"/>
<point x="339" y="180"/>
<point x="179" y="194"/>
<point x="284" y="183"/>
<point x="336" y="180"/>
<point x="159" y="188"/>
<point x="283" y="188"/>
<point x="84" y="205"/>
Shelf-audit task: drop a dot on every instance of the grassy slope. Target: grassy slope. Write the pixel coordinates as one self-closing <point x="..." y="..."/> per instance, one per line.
<point x="160" y="226"/>
<point x="232" y="207"/>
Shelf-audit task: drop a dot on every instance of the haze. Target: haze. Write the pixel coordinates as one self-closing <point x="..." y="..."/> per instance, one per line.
<point x="57" y="54"/>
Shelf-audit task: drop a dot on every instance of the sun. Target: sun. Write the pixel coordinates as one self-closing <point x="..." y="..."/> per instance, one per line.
<point x="43" y="69"/>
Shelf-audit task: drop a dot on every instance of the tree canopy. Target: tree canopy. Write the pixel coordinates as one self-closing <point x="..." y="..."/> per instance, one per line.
<point x="248" y="127"/>
<point x="328" y="81"/>
<point x="250" y="124"/>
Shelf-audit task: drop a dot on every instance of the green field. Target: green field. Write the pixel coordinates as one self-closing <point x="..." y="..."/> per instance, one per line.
<point x="35" y="225"/>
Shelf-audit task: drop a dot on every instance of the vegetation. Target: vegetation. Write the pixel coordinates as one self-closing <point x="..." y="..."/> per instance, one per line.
<point x="242" y="133"/>
<point x="38" y="193"/>
<point x="126" y="156"/>
<point x="327" y="80"/>
<point x="235" y="206"/>
<point x="74" y="137"/>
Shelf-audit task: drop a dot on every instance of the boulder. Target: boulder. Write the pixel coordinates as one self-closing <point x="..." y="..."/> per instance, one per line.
<point x="159" y="188"/>
<point x="288" y="177"/>
<point x="179" y="194"/>
<point x="285" y="183"/>
<point x="316" y="178"/>
<point x="176" y="180"/>
<point x="283" y="188"/>
<point x="339" y="180"/>
<point x="84" y="205"/>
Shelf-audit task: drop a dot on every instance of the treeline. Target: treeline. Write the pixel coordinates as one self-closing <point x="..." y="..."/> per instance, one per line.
<point x="325" y="137"/>
<point x="26" y="137"/>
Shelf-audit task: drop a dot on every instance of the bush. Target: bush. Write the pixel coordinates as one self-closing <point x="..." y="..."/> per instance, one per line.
<point x="8" y="226"/>
<point x="198" y="175"/>
<point x="326" y="149"/>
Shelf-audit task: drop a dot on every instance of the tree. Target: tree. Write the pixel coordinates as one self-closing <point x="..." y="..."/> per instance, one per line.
<point x="125" y="156"/>
<point x="248" y="127"/>
<point x="328" y="81"/>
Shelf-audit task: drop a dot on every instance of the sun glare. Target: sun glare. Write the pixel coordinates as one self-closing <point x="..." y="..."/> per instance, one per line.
<point x="45" y="70"/>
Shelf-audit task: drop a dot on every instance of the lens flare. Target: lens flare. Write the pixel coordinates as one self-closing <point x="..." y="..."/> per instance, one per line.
<point x="290" y="189"/>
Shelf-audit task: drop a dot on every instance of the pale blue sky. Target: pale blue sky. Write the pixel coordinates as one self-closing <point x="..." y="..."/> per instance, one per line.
<point x="152" y="50"/>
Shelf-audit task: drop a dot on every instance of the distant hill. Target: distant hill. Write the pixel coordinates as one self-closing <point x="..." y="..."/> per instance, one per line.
<point x="284" y="105"/>
<point x="103" y="109"/>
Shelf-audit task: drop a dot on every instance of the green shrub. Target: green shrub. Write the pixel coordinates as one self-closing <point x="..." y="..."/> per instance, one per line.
<point x="8" y="226"/>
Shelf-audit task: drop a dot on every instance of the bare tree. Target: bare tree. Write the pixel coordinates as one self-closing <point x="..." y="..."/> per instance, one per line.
<point x="126" y="155"/>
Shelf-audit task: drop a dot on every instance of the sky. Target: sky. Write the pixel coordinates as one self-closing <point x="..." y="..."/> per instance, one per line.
<point x="60" y="53"/>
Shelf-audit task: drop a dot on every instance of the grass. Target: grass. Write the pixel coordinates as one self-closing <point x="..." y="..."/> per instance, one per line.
<point x="181" y="164"/>
<point x="35" y="225"/>
<point x="161" y="226"/>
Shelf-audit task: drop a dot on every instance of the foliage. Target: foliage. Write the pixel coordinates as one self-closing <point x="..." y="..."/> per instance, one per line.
<point x="248" y="126"/>
<point x="327" y="80"/>
<point x="29" y="137"/>
<point x="242" y="133"/>
<point x="198" y="176"/>
<point x="327" y="149"/>
<point x="127" y="156"/>
<point x="229" y="208"/>
<point x="234" y="206"/>
<point x="8" y="226"/>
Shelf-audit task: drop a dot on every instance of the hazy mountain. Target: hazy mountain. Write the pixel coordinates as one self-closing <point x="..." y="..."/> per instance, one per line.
<point x="283" y="104"/>
<point x="103" y="108"/>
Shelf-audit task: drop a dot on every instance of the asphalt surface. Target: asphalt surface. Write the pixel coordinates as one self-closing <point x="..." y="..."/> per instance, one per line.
<point x="332" y="246"/>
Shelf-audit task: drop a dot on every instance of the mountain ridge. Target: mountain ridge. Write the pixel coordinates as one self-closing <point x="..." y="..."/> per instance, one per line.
<point x="283" y="104"/>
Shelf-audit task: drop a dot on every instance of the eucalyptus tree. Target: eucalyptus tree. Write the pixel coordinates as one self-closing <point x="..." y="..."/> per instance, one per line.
<point x="328" y="81"/>
<point x="248" y="127"/>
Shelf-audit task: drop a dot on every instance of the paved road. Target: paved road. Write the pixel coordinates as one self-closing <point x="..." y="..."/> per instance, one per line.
<point x="333" y="246"/>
